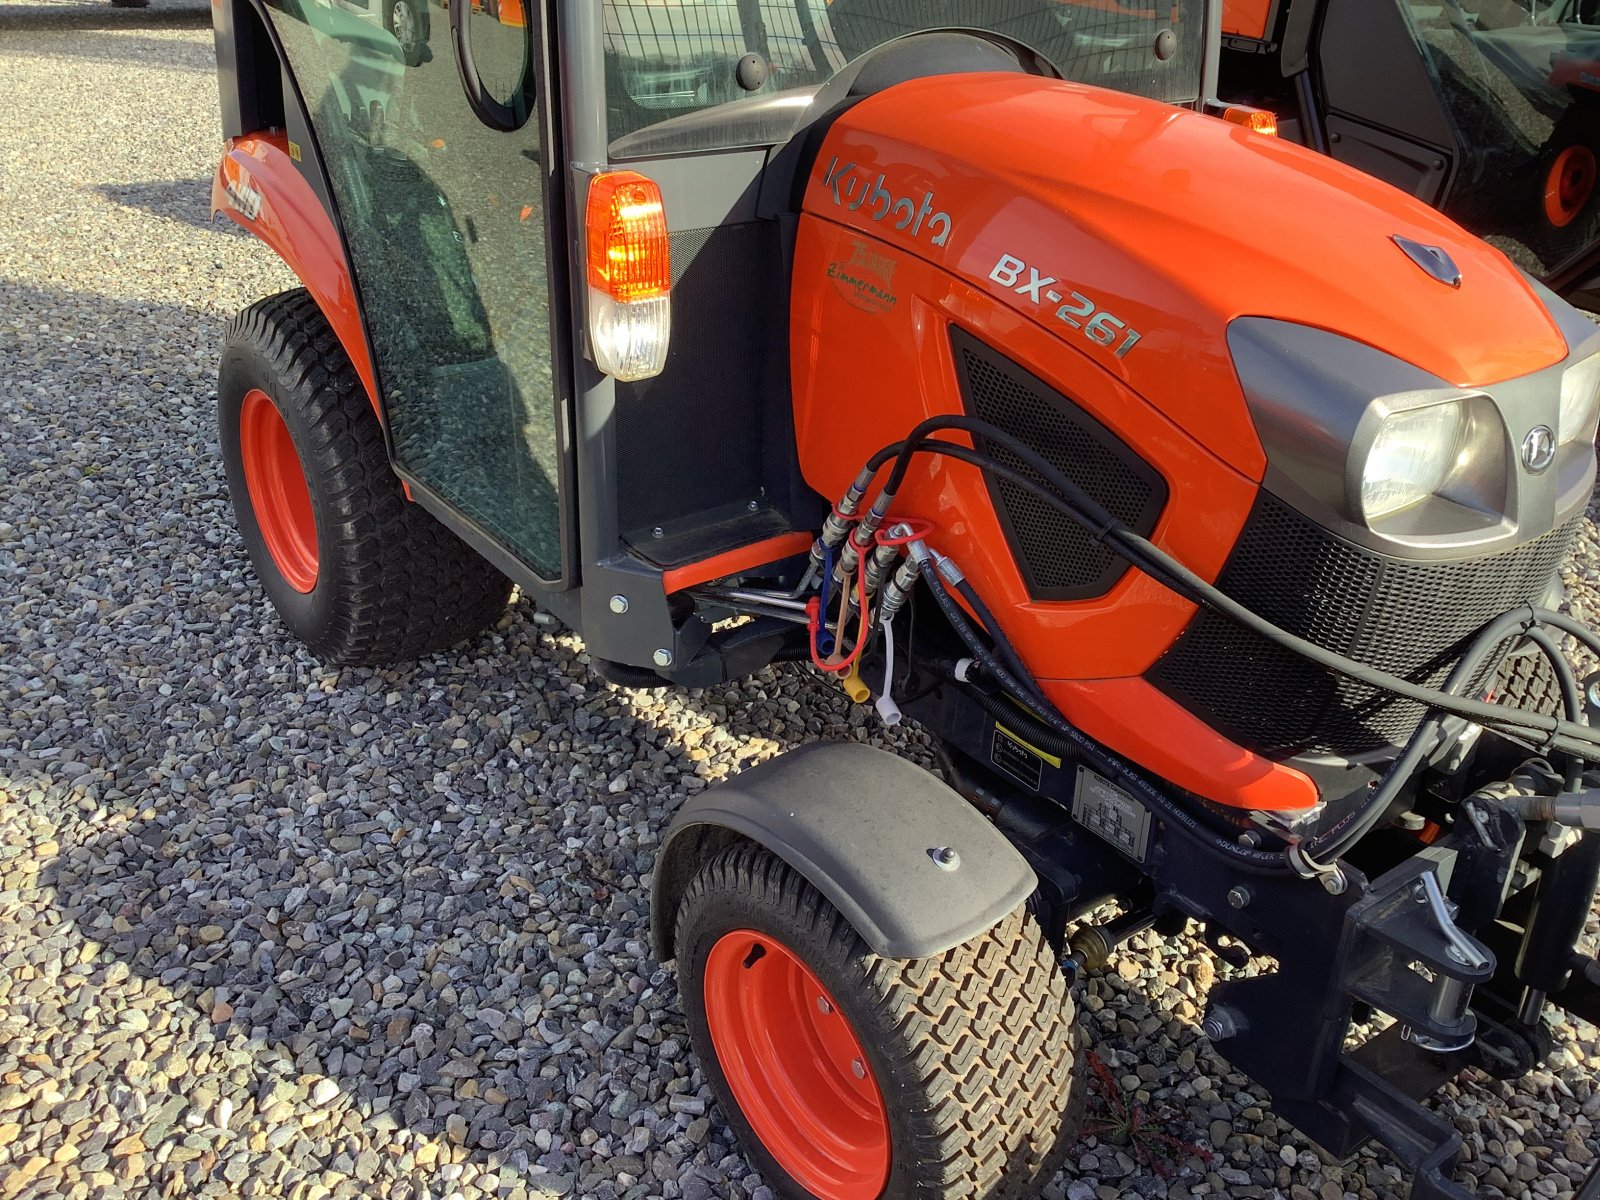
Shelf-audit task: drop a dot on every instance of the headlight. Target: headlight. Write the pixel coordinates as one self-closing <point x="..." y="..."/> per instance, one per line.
<point x="1411" y="457"/>
<point x="1580" y="400"/>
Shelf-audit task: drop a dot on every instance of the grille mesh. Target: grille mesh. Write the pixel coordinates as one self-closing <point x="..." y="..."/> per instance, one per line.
<point x="1059" y="561"/>
<point x="1408" y="618"/>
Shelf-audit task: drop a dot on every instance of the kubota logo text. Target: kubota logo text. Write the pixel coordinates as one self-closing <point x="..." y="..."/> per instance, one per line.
<point x="913" y="214"/>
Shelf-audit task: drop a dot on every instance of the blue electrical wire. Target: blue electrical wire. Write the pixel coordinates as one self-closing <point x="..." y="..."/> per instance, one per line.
<point x="824" y="638"/>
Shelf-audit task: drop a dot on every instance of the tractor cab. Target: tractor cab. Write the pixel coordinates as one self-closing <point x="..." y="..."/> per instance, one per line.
<point x="565" y="424"/>
<point x="1489" y="111"/>
<point x="1200" y="496"/>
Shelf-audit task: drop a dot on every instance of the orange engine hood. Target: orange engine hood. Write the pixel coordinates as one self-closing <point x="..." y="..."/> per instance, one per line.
<point x="1171" y="224"/>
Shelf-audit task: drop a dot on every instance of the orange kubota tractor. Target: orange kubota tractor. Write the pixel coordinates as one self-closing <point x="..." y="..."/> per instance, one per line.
<point x="1201" y="495"/>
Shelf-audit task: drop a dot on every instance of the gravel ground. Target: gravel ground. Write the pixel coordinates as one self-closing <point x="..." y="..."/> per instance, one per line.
<point x="268" y="929"/>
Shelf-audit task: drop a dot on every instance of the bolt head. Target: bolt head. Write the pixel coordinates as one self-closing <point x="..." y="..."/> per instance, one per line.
<point x="1333" y="882"/>
<point x="662" y="657"/>
<point x="823" y="1006"/>
<point x="619" y="604"/>
<point x="945" y="858"/>
<point x="658" y="532"/>
<point x="1238" y="896"/>
<point x="754" y="505"/>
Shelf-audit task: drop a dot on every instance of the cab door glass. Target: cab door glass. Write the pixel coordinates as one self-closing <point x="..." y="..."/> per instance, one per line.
<point x="444" y="218"/>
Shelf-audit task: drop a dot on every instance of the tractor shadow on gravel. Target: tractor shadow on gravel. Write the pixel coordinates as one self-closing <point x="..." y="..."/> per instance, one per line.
<point x="162" y="14"/>
<point x="186" y="200"/>
<point x="462" y="952"/>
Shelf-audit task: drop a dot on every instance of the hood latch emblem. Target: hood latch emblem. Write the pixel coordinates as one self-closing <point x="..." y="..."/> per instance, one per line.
<point x="1432" y="259"/>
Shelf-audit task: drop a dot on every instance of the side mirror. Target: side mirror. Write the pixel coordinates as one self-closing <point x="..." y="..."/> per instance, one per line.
<point x="506" y="112"/>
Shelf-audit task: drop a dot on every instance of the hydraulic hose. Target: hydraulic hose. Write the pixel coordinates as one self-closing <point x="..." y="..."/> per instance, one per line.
<point x="1331" y="843"/>
<point x="1567" y="736"/>
<point x="1002" y="644"/>
<point x="1055" y="733"/>
<point x="1571" y="697"/>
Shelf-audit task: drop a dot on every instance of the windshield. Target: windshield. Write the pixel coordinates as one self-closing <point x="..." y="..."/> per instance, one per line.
<point x="669" y="59"/>
<point x="1520" y="80"/>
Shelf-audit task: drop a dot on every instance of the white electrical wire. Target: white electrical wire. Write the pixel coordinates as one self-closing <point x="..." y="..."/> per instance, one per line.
<point x="887" y="708"/>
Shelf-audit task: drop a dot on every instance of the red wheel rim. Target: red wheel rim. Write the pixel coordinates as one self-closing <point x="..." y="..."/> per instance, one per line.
<point x="1569" y="184"/>
<point x="278" y="492"/>
<point x="796" y="1067"/>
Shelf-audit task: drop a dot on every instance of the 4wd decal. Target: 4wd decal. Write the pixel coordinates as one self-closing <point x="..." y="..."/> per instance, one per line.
<point x="1076" y="311"/>
<point x="917" y="216"/>
<point x="242" y="194"/>
<point x="865" y="278"/>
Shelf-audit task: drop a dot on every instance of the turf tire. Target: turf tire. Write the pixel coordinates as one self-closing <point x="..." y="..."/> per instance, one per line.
<point x="974" y="1049"/>
<point x="392" y="583"/>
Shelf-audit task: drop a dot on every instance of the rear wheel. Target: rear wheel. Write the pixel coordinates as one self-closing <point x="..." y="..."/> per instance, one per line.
<point x="355" y="571"/>
<point x="849" y="1076"/>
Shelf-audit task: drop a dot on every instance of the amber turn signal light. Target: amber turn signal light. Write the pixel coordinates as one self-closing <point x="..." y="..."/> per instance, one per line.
<point x="1257" y="120"/>
<point x="629" y="275"/>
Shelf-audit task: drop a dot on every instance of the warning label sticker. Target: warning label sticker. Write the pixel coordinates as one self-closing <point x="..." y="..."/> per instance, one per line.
<point x="1018" y="759"/>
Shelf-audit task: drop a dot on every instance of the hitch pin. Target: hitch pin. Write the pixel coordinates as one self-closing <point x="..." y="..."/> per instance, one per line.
<point x="1461" y="948"/>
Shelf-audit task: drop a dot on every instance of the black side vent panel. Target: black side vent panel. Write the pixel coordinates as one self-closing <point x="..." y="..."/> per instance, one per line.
<point x="1058" y="559"/>
<point x="697" y="438"/>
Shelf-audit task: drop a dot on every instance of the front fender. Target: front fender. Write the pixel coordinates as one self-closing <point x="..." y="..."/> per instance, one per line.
<point x="862" y="826"/>
<point x="259" y="187"/>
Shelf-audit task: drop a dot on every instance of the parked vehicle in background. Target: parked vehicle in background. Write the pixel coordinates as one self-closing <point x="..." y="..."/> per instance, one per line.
<point x="1488" y="111"/>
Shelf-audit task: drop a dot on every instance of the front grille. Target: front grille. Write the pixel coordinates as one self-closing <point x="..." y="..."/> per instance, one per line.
<point x="1407" y="618"/>
<point x="1058" y="560"/>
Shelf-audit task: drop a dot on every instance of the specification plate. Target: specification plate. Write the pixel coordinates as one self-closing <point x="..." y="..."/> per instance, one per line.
<point x="1109" y="812"/>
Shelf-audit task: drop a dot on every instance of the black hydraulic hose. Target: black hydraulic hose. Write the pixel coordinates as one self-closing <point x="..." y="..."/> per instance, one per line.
<point x="1571" y="697"/>
<point x="1059" y="735"/>
<point x="1002" y="644"/>
<point x="1327" y="846"/>
<point x="997" y="670"/>
<point x="1048" y="737"/>
<point x="1330" y="844"/>
<point x="1570" y="737"/>
<point x="1571" y="627"/>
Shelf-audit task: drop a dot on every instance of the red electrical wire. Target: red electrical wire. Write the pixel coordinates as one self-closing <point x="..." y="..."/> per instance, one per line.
<point x="919" y="531"/>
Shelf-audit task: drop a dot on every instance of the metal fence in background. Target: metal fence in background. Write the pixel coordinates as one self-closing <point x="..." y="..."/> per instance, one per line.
<point x="791" y="34"/>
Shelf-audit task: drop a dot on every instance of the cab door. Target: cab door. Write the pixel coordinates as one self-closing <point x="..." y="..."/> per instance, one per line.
<point x="440" y="178"/>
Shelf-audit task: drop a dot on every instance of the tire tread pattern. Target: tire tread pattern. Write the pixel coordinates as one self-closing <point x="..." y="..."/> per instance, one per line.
<point x="402" y="585"/>
<point x="979" y="1043"/>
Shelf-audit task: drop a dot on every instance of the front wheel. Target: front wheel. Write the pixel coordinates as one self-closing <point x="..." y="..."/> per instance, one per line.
<point x="849" y="1076"/>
